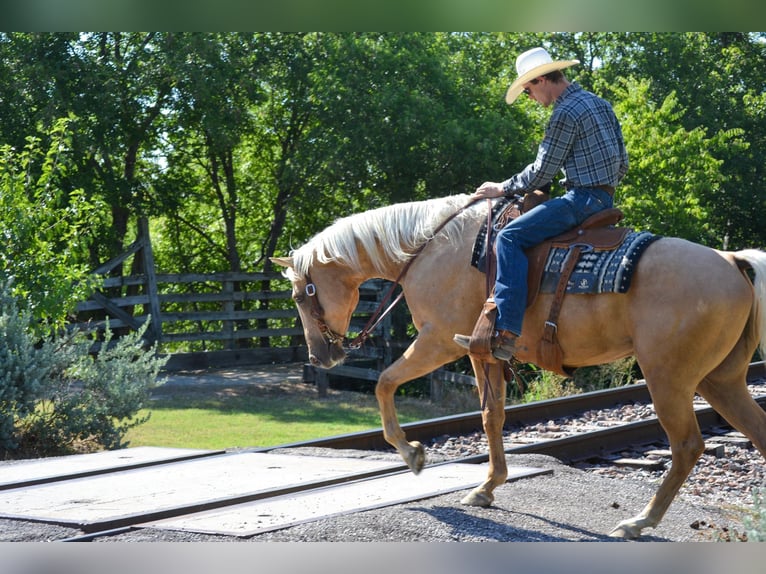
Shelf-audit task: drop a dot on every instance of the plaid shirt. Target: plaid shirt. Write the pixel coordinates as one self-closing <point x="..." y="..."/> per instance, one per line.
<point x="583" y="139"/>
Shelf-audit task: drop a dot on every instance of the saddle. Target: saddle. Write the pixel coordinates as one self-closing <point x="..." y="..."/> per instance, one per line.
<point x="597" y="233"/>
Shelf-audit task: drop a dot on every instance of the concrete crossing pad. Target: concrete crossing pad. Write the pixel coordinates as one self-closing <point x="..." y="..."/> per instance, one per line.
<point x="280" y="512"/>
<point x="237" y="494"/>
<point x="120" y="498"/>
<point x="36" y="471"/>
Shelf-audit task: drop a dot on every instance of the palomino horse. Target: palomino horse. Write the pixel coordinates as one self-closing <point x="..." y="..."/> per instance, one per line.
<point x="692" y="318"/>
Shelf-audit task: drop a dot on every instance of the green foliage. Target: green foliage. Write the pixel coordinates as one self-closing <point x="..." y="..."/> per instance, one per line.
<point x="248" y="143"/>
<point x="547" y="385"/>
<point x="56" y="399"/>
<point x="667" y="192"/>
<point x="719" y="81"/>
<point x="538" y="385"/>
<point x="609" y="375"/>
<point x="755" y="524"/>
<point x="44" y="246"/>
<point x="25" y="365"/>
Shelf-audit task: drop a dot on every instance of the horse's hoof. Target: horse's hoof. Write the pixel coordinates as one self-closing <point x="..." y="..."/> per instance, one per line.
<point x="626" y="530"/>
<point x="478" y="498"/>
<point x="416" y="459"/>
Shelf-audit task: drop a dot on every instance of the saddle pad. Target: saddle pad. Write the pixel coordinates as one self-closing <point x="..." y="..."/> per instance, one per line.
<point x="598" y="271"/>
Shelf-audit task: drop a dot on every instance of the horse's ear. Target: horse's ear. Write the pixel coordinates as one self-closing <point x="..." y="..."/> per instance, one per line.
<point x="283" y="261"/>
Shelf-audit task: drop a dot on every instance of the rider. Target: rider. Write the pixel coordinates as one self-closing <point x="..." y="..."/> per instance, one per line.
<point x="583" y="139"/>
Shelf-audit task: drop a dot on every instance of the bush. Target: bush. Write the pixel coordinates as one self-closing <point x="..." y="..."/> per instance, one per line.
<point x="55" y="398"/>
<point x="755" y="525"/>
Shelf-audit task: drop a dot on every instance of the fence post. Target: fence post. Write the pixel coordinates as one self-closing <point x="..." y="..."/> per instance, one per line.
<point x="155" y="327"/>
<point x="227" y="326"/>
<point x="437" y="387"/>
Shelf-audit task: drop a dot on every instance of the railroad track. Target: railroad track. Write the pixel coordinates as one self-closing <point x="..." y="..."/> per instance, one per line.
<point x="568" y="449"/>
<point x="601" y="442"/>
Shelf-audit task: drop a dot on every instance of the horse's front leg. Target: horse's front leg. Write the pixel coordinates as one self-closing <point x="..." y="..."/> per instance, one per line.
<point x="399" y="372"/>
<point x="493" y="417"/>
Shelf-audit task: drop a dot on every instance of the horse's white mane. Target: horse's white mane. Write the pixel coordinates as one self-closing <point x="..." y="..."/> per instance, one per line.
<point x="386" y="234"/>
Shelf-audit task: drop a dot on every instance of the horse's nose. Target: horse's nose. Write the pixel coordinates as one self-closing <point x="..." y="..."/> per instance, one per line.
<point x="314" y="361"/>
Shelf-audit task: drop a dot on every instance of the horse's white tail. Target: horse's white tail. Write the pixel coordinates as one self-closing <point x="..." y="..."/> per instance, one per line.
<point x="757" y="260"/>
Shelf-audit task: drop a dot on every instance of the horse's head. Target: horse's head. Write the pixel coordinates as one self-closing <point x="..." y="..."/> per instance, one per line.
<point x="325" y="298"/>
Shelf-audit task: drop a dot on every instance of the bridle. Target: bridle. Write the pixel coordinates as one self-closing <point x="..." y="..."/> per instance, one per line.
<point x="317" y="312"/>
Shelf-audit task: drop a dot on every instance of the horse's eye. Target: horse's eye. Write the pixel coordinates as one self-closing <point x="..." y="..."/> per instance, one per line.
<point x="299" y="298"/>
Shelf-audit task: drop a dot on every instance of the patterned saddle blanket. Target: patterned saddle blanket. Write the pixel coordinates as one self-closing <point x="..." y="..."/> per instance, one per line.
<point x="598" y="271"/>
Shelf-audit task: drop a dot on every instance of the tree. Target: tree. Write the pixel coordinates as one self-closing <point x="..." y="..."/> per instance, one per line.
<point x="672" y="169"/>
<point x="719" y="80"/>
<point x="44" y="255"/>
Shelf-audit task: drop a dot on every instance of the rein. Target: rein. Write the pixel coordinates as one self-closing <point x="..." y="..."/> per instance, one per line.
<point x="318" y="313"/>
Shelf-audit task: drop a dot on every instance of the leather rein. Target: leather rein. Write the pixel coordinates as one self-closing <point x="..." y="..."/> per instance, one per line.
<point x="317" y="312"/>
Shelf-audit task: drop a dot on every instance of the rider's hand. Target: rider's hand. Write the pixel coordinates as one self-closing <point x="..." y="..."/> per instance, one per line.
<point x="488" y="189"/>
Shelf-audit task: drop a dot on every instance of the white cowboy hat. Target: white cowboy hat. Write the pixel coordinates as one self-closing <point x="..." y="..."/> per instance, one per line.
<point x="533" y="64"/>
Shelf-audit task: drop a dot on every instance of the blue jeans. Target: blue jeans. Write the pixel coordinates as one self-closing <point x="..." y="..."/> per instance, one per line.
<point x="543" y="222"/>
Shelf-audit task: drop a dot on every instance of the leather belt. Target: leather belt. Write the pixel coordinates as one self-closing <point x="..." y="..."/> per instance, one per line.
<point x="607" y="188"/>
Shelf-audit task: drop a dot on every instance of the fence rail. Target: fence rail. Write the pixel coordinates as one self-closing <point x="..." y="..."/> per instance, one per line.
<point x="205" y="298"/>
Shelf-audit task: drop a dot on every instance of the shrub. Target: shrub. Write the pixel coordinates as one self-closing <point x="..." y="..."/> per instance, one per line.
<point x="55" y="398"/>
<point x="755" y="524"/>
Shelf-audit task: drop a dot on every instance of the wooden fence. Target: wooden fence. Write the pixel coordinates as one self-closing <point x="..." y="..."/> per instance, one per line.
<point x="205" y="320"/>
<point x="211" y="319"/>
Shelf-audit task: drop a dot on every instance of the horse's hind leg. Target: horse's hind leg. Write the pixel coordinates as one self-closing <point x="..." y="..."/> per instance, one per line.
<point x="675" y="412"/>
<point x="727" y="393"/>
<point x="493" y="418"/>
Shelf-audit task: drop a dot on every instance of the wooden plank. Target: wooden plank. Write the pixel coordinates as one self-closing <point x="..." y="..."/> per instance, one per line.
<point x="116" y="311"/>
<point x="184" y="278"/>
<point x="229" y="309"/>
<point x="218" y="296"/>
<point x="240" y="334"/>
<point x="174" y="316"/>
<point x="123" y="281"/>
<point x="216" y="277"/>
<point x="354" y="372"/>
<point x="114" y="324"/>
<point x="129" y="301"/>
<point x="115" y="261"/>
<point x="234" y="358"/>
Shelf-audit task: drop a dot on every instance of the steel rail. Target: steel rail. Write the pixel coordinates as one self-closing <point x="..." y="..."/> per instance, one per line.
<point x="516" y="415"/>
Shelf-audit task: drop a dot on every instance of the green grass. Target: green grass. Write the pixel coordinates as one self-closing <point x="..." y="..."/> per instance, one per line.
<point x="265" y="415"/>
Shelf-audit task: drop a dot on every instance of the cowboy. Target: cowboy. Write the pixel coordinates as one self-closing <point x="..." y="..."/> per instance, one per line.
<point x="583" y="139"/>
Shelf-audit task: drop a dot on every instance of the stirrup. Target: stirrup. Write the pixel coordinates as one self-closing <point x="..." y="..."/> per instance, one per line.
<point x="503" y="346"/>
